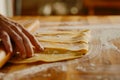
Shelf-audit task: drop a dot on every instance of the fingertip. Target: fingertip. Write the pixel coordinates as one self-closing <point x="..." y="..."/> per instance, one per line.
<point x="30" y="51"/>
<point x="30" y="54"/>
<point x="40" y="48"/>
<point x="23" y="56"/>
<point x="10" y="50"/>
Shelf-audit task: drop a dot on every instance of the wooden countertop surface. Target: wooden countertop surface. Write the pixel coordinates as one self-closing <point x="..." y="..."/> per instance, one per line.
<point x="101" y="63"/>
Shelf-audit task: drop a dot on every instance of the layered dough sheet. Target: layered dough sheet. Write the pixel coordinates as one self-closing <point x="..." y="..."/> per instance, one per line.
<point x="59" y="45"/>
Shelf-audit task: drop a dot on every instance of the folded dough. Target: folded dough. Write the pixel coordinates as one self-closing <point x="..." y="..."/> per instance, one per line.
<point x="59" y="45"/>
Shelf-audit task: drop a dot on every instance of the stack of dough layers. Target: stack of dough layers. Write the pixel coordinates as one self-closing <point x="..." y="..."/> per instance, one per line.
<point x="59" y="45"/>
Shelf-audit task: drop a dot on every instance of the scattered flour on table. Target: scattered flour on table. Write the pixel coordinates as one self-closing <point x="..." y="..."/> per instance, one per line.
<point x="1" y="75"/>
<point x="107" y="35"/>
<point x="27" y="73"/>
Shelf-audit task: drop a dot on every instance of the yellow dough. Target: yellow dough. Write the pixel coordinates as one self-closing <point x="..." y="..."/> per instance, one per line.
<point x="59" y="45"/>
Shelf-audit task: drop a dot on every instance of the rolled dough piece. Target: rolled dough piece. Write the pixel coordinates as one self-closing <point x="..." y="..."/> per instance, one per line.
<point x="59" y="45"/>
<point x="4" y="57"/>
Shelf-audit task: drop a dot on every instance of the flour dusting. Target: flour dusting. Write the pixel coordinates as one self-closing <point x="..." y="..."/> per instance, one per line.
<point x="107" y="35"/>
<point x="30" y="72"/>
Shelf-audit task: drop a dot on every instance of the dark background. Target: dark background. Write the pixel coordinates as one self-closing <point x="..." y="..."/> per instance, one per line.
<point x="66" y="7"/>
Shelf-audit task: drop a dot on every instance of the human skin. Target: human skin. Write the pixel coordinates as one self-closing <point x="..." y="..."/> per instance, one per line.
<point x="14" y="35"/>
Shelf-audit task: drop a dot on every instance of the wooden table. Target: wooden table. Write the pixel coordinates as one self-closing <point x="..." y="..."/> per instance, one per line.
<point x="101" y="63"/>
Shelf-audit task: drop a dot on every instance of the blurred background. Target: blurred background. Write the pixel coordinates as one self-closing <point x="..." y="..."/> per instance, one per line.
<point x="59" y="7"/>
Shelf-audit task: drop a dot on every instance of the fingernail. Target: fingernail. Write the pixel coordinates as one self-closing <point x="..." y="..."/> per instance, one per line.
<point x="41" y="47"/>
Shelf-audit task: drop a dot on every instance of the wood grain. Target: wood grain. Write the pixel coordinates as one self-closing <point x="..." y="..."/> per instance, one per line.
<point x="101" y="63"/>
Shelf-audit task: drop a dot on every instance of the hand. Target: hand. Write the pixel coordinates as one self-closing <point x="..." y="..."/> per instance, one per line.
<point x="13" y="35"/>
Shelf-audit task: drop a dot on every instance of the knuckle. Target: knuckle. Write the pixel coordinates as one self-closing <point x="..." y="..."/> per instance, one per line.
<point x="4" y="35"/>
<point x="18" y="29"/>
